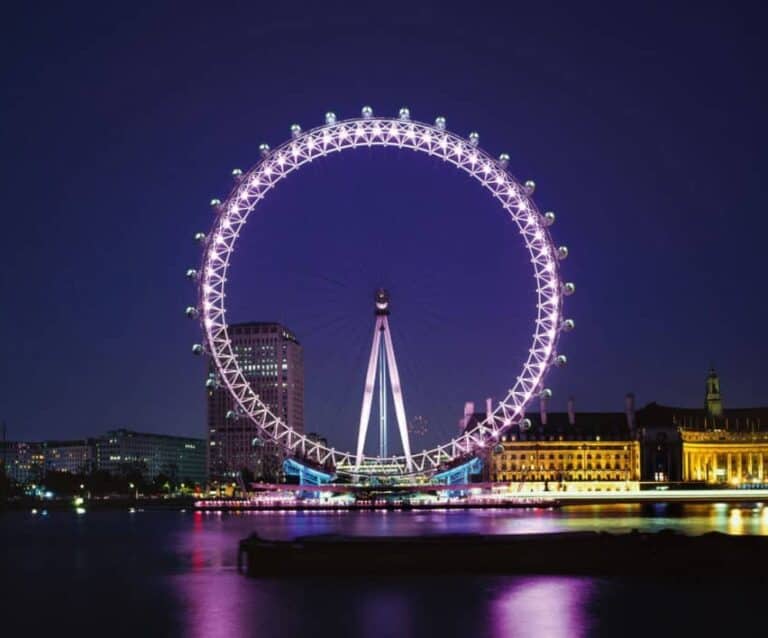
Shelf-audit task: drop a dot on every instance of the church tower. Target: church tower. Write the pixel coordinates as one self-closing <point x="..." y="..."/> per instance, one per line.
<point x="714" y="401"/>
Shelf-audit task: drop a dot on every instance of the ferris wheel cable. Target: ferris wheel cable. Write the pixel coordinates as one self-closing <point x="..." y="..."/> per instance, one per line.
<point x="314" y="326"/>
<point x="435" y="317"/>
<point x="319" y="285"/>
<point x="327" y="308"/>
<point x="415" y="372"/>
<point x="423" y="291"/>
<point x="413" y="364"/>
<point x="442" y="425"/>
<point x="328" y="358"/>
<point x="331" y="356"/>
<point x="348" y="411"/>
<point x="417" y="395"/>
<point x="299" y="275"/>
<point x="334" y="282"/>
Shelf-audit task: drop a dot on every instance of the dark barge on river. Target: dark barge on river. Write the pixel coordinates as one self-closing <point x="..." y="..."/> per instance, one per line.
<point x="664" y="554"/>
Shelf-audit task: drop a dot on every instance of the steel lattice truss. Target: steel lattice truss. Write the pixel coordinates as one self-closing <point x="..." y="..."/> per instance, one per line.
<point x="369" y="131"/>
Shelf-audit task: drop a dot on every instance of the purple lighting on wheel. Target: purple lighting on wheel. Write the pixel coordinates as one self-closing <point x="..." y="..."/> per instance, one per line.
<point x="405" y="133"/>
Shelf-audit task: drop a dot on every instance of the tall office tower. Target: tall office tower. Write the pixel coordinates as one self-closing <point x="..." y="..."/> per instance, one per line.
<point x="272" y="360"/>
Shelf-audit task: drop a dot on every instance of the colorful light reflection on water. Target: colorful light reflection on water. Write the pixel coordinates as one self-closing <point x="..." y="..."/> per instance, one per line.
<point x="553" y="606"/>
<point x="172" y="573"/>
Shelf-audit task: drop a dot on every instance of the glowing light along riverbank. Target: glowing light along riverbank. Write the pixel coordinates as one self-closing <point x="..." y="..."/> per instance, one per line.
<point x="294" y="500"/>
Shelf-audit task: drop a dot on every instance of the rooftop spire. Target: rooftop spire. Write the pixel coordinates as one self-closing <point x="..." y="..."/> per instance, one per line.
<point x="713" y="401"/>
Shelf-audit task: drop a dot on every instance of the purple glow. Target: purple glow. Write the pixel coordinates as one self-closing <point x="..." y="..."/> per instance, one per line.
<point x="381" y="132"/>
<point x="551" y="606"/>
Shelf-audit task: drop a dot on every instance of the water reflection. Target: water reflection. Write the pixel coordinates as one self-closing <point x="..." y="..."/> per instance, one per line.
<point x="214" y="601"/>
<point x="735" y="522"/>
<point x="552" y="606"/>
<point x="209" y="540"/>
<point x="175" y="574"/>
<point x="385" y="613"/>
<point x="690" y="519"/>
<point x="225" y="604"/>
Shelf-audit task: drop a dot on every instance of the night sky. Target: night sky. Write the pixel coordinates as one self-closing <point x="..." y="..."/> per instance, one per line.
<point x="643" y="126"/>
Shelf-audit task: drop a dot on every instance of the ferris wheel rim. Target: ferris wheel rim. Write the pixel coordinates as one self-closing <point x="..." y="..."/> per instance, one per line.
<point x="401" y="132"/>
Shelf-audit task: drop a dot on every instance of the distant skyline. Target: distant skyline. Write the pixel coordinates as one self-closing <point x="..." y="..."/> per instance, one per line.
<point x="644" y="128"/>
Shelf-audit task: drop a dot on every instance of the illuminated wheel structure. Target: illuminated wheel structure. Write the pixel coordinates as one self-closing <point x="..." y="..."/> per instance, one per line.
<point x="401" y="132"/>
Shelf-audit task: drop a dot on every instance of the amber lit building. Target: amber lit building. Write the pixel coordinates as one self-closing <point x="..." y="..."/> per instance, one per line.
<point x="570" y="451"/>
<point x="656" y="443"/>
<point x="720" y="445"/>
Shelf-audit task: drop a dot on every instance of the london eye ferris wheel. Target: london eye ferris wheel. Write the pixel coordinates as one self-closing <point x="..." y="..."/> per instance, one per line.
<point x="402" y="132"/>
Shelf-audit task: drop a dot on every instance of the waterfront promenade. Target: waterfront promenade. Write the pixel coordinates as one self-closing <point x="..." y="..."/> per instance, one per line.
<point x="291" y="501"/>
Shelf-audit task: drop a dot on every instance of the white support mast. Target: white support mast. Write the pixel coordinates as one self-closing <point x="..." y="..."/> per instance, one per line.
<point x="383" y="354"/>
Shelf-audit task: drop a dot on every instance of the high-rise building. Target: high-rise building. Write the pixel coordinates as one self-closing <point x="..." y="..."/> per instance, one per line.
<point x="272" y="361"/>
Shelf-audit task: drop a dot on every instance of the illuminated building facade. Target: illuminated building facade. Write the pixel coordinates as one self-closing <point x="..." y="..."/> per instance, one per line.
<point x="74" y="457"/>
<point x="28" y="462"/>
<point x="271" y="358"/>
<point x="656" y="443"/>
<point x="24" y="462"/>
<point x="719" y="445"/>
<point x="723" y="456"/>
<point x="181" y="459"/>
<point x="569" y="451"/>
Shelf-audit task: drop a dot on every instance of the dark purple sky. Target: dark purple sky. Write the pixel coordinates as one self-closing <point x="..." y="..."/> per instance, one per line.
<point x="644" y="128"/>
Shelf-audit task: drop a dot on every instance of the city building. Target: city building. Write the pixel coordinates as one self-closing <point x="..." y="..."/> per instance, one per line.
<point x="181" y="459"/>
<point x="118" y="452"/>
<point x="660" y="446"/>
<point x="271" y="358"/>
<point x="656" y="443"/>
<point x="719" y="444"/>
<point x="24" y="462"/>
<point x="74" y="457"/>
<point x="569" y="450"/>
<point x="317" y="438"/>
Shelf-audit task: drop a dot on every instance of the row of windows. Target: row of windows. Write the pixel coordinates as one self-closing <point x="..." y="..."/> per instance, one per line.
<point x="573" y="436"/>
<point x="569" y="466"/>
<point x="569" y="455"/>
<point x="601" y="476"/>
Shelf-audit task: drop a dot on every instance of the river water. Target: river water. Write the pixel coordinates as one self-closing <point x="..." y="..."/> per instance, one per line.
<point x="163" y="573"/>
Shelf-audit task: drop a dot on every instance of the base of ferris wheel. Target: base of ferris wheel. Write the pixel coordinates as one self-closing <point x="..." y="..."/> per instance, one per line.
<point x="311" y="489"/>
<point x="384" y="470"/>
<point x="383" y="474"/>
